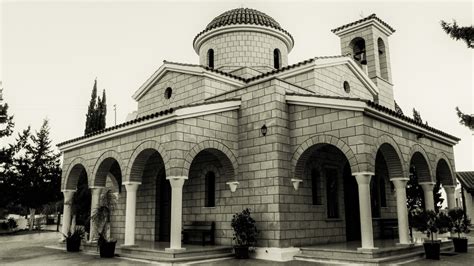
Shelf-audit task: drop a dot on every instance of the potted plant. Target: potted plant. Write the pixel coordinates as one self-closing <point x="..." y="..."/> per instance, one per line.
<point x="73" y="240"/>
<point x="459" y="223"/>
<point x="101" y="220"/>
<point x="245" y="233"/>
<point x="430" y="222"/>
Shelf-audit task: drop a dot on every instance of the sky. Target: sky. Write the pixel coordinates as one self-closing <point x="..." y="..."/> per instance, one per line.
<point x="51" y="52"/>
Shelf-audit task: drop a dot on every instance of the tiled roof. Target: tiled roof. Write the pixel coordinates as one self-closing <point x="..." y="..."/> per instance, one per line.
<point x="373" y="16"/>
<point x="467" y="180"/>
<point x="243" y="16"/>
<point x="409" y="120"/>
<point x="134" y="121"/>
<point x="384" y="110"/>
<point x="138" y="120"/>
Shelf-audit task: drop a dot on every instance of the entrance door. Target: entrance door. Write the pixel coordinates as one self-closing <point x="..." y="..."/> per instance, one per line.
<point x="351" y="203"/>
<point x="164" y="208"/>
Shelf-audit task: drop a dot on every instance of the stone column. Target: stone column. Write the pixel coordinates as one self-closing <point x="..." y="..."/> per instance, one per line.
<point x="67" y="210"/>
<point x="400" y="184"/>
<point x="428" y="194"/>
<point x="450" y="196"/>
<point x="177" y="183"/>
<point x="366" y="230"/>
<point x="95" y="191"/>
<point x="130" y="212"/>
<point x="469" y="204"/>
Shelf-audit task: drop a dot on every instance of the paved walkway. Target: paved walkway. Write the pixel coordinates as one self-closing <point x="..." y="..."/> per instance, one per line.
<point x="30" y="250"/>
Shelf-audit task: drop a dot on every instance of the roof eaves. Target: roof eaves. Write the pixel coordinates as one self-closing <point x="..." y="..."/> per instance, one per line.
<point x="372" y="16"/>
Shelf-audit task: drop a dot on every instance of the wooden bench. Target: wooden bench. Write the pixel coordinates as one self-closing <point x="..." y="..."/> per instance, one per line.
<point x="203" y="229"/>
<point x="388" y="226"/>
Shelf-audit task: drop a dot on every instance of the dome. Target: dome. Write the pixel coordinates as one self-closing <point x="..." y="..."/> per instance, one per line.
<point x="243" y="16"/>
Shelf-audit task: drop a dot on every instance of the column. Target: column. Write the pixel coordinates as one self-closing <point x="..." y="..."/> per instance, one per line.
<point x="428" y="194"/>
<point x="95" y="191"/>
<point x="67" y="210"/>
<point x="450" y="196"/>
<point x="469" y="204"/>
<point x="366" y="230"/>
<point x="130" y="212"/>
<point x="177" y="183"/>
<point x="400" y="184"/>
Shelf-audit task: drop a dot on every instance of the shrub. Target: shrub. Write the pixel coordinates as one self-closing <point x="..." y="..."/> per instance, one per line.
<point x="245" y="230"/>
<point x="458" y="221"/>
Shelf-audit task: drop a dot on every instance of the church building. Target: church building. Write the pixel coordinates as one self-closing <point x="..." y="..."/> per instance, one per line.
<point x="318" y="150"/>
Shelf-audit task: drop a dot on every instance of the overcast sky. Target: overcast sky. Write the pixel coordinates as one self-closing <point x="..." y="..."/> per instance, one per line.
<point x="52" y="51"/>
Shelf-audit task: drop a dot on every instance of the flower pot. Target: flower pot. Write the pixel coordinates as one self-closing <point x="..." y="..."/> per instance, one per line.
<point x="72" y="244"/>
<point x="241" y="252"/>
<point x="107" y="249"/>
<point x="432" y="249"/>
<point x="460" y="245"/>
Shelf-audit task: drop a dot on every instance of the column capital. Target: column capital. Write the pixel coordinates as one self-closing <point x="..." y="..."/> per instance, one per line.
<point x="399" y="182"/>
<point x="68" y="194"/>
<point x="449" y="187"/>
<point x="363" y="178"/>
<point x="131" y="186"/>
<point x="176" y="181"/>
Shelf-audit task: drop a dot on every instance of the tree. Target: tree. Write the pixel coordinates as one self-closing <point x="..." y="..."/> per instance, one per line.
<point x="417" y="116"/>
<point x="465" y="119"/>
<point x="96" y="113"/>
<point x="91" y="116"/>
<point x="398" y="109"/>
<point x="459" y="33"/>
<point x="38" y="171"/>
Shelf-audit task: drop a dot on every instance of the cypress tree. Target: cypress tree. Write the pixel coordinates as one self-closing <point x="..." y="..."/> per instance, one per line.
<point x="91" y="115"/>
<point x="103" y="111"/>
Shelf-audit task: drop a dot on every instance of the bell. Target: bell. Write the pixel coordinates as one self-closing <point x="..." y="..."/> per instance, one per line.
<point x="363" y="59"/>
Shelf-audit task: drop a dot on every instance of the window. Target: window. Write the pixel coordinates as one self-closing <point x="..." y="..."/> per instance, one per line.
<point x="210" y="58"/>
<point x="382" y="59"/>
<point x="315" y="183"/>
<point x="347" y="87"/>
<point x="358" y="50"/>
<point x="168" y="92"/>
<point x="210" y="184"/>
<point x="331" y="193"/>
<point x="276" y="59"/>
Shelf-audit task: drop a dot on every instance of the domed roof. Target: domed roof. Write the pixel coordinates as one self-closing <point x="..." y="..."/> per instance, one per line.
<point x="243" y="16"/>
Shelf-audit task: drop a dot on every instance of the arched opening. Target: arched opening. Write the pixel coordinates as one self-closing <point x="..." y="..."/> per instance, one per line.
<point x="276" y="58"/>
<point x="382" y="59"/>
<point x="443" y="178"/>
<point x="387" y="165"/>
<point x="154" y="193"/>
<point x="329" y="191"/>
<point x="210" y="58"/>
<point x="419" y="172"/>
<point x="205" y="193"/>
<point x="358" y="50"/>
<point x="81" y="201"/>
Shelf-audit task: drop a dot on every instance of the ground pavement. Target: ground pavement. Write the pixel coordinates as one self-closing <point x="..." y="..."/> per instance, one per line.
<point x="30" y="249"/>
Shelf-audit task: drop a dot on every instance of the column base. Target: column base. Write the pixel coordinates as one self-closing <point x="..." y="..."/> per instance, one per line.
<point x="366" y="249"/>
<point x="175" y="250"/>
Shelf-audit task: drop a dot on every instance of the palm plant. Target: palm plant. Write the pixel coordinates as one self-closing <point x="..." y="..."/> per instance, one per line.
<point x="102" y="215"/>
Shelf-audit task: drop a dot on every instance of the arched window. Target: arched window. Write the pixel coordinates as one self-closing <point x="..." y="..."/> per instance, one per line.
<point x="210" y="58"/>
<point x="382" y="59"/>
<point x="168" y="93"/>
<point x="358" y="50"/>
<point x="315" y="186"/>
<point x="210" y="184"/>
<point x="276" y="58"/>
<point x="331" y="193"/>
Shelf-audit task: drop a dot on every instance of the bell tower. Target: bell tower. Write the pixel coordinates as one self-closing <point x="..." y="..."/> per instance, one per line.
<point x="367" y="41"/>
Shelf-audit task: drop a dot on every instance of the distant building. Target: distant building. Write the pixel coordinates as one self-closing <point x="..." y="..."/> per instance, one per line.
<point x="315" y="149"/>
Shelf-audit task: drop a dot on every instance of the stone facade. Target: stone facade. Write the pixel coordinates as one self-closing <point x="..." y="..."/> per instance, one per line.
<point x="318" y="133"/>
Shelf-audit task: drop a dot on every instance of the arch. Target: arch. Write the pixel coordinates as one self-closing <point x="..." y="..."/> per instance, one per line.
<point x="103" y="166"/>
<point x="276" y="58"/>
<point x="392" y="154"/>
<point x="139" y="157"/>
<point x="419" y="159"/>
<point x="358" y="50"/>
<point x="303" y="152"/>
<point x="210" y="58"/>
<point x="222" y="152"/>
<point x="73" y="173"/>
<point x="444" y="172"/>
<point x="382" y="58"/>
